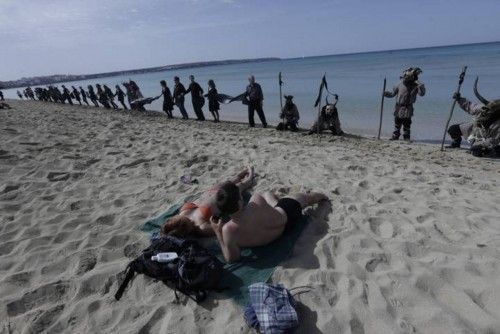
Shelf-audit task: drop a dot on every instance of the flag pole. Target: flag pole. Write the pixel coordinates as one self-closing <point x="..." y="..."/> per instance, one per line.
<point x="460" y="81"/>
<point x="381" y="109"/>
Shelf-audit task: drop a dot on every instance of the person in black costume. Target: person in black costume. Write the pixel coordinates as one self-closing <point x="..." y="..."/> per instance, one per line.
<point x="213" y="100"/>
<point x="168" y="101"/>
<point x="179" y="92"/>
<point x="196" y="98"/>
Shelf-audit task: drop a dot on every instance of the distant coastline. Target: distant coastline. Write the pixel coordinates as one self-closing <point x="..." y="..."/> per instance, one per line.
<point x="57" y="78"/>
<point x="60" y="78"/>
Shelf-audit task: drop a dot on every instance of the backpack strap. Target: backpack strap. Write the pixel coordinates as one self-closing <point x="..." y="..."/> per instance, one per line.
<point x="126" y="280"/>
<point x="199" y="295"/>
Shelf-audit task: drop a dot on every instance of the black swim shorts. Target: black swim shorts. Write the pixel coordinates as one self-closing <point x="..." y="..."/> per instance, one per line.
<point x="293" y="210"/>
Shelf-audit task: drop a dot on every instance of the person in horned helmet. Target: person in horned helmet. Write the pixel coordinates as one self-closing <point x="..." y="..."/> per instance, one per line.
<point x="406" y="95"/>
<point x="483" y="132"/>
<point x="328" y="119"/>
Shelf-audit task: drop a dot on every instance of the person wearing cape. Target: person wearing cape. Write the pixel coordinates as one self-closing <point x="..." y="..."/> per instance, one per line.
<point x="213" y="100"/>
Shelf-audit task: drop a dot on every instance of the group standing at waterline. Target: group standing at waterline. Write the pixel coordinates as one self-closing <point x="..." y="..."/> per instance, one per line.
<point x="483" y="131"/>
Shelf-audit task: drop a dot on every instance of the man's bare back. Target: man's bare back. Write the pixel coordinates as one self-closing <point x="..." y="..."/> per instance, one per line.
<point x="259" y="223"/>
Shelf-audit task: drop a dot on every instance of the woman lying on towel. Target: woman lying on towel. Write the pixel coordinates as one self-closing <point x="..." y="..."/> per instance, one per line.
<point x="194" y="217"/>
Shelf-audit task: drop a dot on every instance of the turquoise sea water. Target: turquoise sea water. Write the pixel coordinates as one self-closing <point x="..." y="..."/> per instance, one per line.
<point x="356" y="78"/>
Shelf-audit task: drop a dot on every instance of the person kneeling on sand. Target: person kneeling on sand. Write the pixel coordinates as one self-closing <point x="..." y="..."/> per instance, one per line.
<point x="328" y="120"/>
<point x="290" y="116"/>
<point x="261" y="221"/>
<point x="194" y="217"/>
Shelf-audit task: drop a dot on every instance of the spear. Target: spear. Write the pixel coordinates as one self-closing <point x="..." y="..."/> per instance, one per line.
<point x="460" y="81"/>
<point x="381" y="109"/>
<point x="281" y="98"/>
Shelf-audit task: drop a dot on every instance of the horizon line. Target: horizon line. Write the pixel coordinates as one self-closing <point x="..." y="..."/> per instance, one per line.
<point x="270" y="58"/>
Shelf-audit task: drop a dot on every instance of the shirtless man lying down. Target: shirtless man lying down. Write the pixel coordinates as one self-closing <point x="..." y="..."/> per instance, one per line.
<point x="260" y="222"/>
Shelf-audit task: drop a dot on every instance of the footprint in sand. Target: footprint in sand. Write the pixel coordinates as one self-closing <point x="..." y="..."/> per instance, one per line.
<point x="45" y="294"/>
<point x="58" y="176"/>
<point x="46" y="319"/>
<point x="87" y="262"/>
<point x="381" y="228"/>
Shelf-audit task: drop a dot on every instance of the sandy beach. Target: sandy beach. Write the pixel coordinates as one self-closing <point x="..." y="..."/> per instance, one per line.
<point x="409" y="244"/>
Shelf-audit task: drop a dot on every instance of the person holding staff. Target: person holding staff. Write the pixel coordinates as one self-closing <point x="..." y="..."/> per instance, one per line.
<point x="406" y="95"/>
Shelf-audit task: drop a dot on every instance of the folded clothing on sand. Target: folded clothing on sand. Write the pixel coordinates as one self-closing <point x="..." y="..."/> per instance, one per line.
<point x="257" y="264"/>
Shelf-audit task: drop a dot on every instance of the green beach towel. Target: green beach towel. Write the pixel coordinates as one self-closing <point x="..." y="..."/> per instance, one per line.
<point x="257" y="264"/>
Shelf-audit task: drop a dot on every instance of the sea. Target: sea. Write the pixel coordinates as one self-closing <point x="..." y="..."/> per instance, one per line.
<point x="356" y="78"/>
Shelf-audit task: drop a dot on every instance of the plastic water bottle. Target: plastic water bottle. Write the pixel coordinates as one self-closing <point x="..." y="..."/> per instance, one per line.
<point x="164" y="257"/>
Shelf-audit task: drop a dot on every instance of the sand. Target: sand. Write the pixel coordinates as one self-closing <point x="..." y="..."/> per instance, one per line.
<point x="409" y="244"/>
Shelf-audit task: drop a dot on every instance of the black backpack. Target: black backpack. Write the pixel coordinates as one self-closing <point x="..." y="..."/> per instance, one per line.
<point x="193" y="273"/>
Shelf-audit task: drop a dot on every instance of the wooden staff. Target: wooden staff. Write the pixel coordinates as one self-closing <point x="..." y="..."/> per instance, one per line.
<point x="281" y="99"/>
<point x="460" y="81"/>
<point x="381" y="109"/>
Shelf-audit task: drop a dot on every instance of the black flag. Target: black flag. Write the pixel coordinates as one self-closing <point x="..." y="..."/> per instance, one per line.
<point x="324" y="85"/>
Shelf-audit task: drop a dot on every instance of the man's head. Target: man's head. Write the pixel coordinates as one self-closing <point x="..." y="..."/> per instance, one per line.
<point x="176" y="80"/>
<point x="179" y="226"/>
<point x="228" y="198"/>
<point x="191" y="77"/>
<point x="163" y="83"/>
<point x="251" y="79"/>
<point x="490" y="111"/>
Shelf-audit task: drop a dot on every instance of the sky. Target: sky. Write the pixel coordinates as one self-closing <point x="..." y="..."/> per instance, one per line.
<point x="44" y="37"/>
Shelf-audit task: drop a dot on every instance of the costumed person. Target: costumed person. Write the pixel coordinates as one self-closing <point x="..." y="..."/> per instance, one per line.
<point x="29" y="93"/>
<point x="179" y="92"/>
<point x="168" y="101"/>
<point x="84" y="95"/>
<point x="255" y="99"/>
<point x="213" y="100"/>
<point x="66" y="95"/>
<point x="20" y="95"/>
<point x="92" y="95"/>
<point x="76" y="95"/>
<point x="196" y="98"/>
<point x="483" y="132"/>
<point x="110" y="96"/>
<point x="120" y="94"/>
<point x="406" y="95"/>
<point x="289" y="116"/>
<point x="328" y="119"/>
<point x="103" y="97"/>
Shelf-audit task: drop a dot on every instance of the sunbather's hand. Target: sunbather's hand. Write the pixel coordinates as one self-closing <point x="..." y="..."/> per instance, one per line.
<point x="216" y="224"/>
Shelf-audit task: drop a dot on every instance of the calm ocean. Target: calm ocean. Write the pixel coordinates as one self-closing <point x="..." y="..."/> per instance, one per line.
<point x="356" y="78"/>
